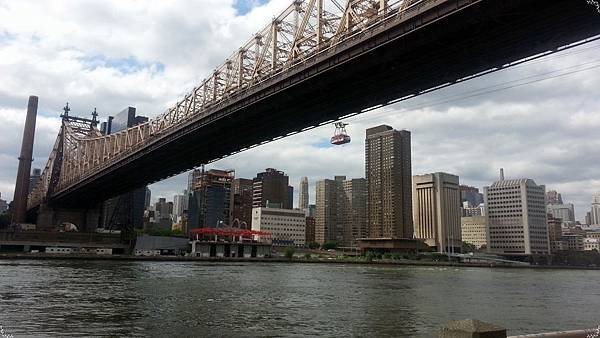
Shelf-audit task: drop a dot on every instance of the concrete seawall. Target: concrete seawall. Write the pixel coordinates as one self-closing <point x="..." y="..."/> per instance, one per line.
<point x="43" y="256"/>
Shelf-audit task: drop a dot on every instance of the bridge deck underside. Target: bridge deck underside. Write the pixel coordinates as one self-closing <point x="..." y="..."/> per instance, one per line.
<point x="429" y="50"/>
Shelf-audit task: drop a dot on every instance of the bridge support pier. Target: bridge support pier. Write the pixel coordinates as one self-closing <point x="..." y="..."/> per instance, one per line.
<point x="86" y="220"/>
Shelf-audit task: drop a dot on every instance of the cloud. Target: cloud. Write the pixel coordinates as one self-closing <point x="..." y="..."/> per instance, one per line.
<point x="114" y="54"/>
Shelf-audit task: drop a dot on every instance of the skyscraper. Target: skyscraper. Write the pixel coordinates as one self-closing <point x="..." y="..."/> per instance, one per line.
<point x="178" y="207"/>
<point x="517" y="219"/>
<point x="389" y="189"/>
<point x="566" y="212"/>
<point x="272" y="186"/>
<point x="436" y="211"/>
<point x="128" y="208"/>
<point x="303" y="196"/>
<point x="354" y="208"/>
<point x="327" y="221"/>
<point x="341" y="210"/>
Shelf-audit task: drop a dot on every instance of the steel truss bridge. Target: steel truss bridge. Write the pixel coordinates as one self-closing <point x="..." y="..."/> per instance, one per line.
<point x="318" y="61"/>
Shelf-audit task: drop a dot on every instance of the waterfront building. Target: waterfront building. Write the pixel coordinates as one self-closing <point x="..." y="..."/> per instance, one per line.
<point x="471" y="195"/>
<point x="127" y="209"/>
<point x="474" y="230"/>
<point x="287" y="226"/>
<point x="555" y="234"/>
<point x="436" y="211"/>
<point x="303" y="194"/>
<point x="590" y="244"/>
<point x="341" y="214"/>
<point x="34" y="178"/>
<point x="210" y="200"/>
<point x="241" y="203"/>
<point x="517" y="220"/>
<point x="272" y="186"/>
<point x="389" y="188"/>
<point x="310" y="229"/>
<point x="574" y="242"/>
<point x="566" y="212"/>
<point x="328" y="218"/>
<point x="354" y="211"/>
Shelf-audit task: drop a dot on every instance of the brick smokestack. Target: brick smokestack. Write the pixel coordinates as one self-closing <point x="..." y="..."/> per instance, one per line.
<point x="22" y="185"/>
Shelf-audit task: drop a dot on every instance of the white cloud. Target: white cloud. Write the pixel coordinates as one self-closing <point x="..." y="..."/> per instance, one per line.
<point x="113" y="54"/>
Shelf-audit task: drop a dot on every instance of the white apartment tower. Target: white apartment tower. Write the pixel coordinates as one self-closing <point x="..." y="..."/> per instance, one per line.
<point x="517" y="218"/>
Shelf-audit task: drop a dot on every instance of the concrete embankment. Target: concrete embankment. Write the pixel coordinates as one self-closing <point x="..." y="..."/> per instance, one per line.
<point x="43" y="256"/>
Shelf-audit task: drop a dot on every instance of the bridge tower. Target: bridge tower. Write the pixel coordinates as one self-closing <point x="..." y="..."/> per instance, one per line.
<point x="50" y="216"/>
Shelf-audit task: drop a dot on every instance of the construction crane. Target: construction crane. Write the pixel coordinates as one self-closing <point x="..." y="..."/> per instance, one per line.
<point x="340" y="135"/>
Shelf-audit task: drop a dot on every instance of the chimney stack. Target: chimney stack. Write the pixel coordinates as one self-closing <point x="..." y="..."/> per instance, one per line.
<point x="22" y="184"/>
<point x="501" y="174"/>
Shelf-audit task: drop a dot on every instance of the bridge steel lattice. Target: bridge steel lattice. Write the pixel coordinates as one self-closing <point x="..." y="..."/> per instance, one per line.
<point x="316" y="62"/>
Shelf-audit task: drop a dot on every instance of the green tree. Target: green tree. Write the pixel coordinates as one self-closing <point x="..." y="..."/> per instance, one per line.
<point x="329" y="246"/>
<point x="313" y="245"/>
<point x="307" y="256"/>
<point x="289" y="253"/>
<point x="468" y="247"/>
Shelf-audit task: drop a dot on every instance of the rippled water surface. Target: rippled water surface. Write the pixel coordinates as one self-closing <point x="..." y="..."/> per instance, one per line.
<point x="109" y="298"/>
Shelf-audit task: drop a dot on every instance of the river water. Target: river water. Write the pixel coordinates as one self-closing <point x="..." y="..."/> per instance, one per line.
<point x="59" y="298"/>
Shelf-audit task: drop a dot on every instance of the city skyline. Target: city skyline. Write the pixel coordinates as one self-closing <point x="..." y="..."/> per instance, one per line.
<point x="515" y="129"/>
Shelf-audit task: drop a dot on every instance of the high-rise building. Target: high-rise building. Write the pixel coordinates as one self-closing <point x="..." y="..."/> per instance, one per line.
<point x="354" y="208"/>
<point x="517" y="219"/>
<point x="287" y="227"/>
<point x="303" y="195"/>
<point x="272" y="186"/>
<point x="34" y="178"/>
<point x="436" y="211"/>
<point x="328" y="227"/>
<point x="553" y="197"/>
<point x="595" y="210"/>
<point x="471" y="195"/>
<point x="241" y="203"/>
<point x="389" y="188"/>
<point x="566" y="212"/>
<point x="209" y="203"/>
<point x="341" y="210"/>
<point x="126" y="209"/>
<point x="588" y="218"/>
<point x="193" y="177"/>
<point x="178" y="207"/>
<point x="473" y="230"/>
<point x="147" y="198"/>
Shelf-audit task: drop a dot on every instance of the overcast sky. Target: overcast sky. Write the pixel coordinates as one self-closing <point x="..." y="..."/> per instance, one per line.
<point x="113" y="54"/>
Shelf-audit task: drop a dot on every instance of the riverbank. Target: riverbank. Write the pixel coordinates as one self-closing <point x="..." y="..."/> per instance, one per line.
<point x="389" y="262"/>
